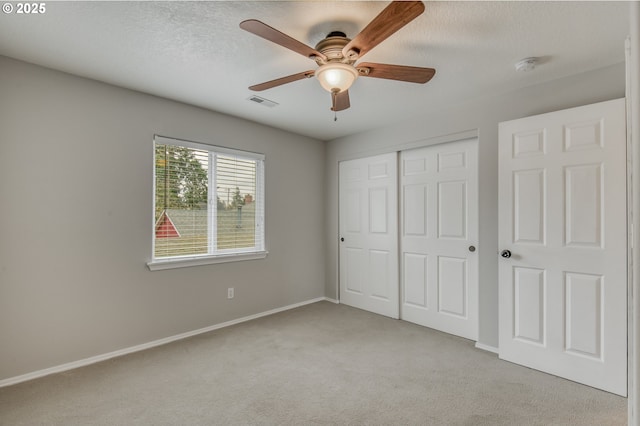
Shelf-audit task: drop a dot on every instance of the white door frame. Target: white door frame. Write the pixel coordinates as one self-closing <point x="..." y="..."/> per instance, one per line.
<point x="633" y="129"/>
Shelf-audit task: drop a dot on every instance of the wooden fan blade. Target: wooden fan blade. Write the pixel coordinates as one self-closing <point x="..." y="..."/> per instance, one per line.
<point x="265" y="31"/>
<point x="341" y="101"/>
<point x="396" y="72"/>
<point x="391" y="19"/>
<point x="282" y="80"/>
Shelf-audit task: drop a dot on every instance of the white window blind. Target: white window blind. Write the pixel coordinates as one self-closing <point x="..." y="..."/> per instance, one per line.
<point x="209" y="201"/>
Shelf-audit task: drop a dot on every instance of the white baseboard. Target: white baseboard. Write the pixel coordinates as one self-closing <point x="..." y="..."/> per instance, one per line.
<point x="487" y="347"/>
<point x="98" y="358"/>
<point x="337" y="302"/>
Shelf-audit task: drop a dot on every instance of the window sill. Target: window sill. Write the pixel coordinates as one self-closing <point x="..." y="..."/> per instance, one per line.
<point x="159" y="265"/>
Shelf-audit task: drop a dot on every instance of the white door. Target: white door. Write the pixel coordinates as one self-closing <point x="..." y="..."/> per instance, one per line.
<point x="369" y="234"/>
<point x="563" y="290"/>
<point x="439" y="236"/>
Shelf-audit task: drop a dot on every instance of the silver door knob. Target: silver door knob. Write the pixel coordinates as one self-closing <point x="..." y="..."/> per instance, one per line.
<point x="506" y="254"/>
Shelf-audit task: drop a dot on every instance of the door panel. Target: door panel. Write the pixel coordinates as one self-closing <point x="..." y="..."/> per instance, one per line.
<point x="369" y="234"/>
<point x="354" y="263"/>
<point x="529" y="206"/>
<point x="353" y="211"/>
<point x="415" y="209"/>
<point x="583" y="206"/>
<point x="583" y="316"/>
<point x="378" y="210"/>
<point x="452" y="286"/>
<point x="451" y="160"/>
<point x="528" y="290"/>
<point x="415" y="272"/>
<point x="379" y="261"/>
<point x="562" y="215"/>
<point x="452" y="212"/>
<point x="439" y="274"/>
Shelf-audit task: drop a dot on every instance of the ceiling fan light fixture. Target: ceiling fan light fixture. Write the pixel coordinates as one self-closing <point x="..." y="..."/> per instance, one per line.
<point x="336" y="76"/>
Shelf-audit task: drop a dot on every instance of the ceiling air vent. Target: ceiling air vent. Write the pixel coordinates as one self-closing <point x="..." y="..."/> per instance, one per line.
<point x="262" y="101"/>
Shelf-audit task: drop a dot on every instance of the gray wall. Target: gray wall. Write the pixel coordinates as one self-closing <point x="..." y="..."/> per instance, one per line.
<point x="76" y="162"/>
<point x="479" y="116"/>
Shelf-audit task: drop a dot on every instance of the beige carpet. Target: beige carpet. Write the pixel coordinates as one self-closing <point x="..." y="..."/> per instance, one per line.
<point x="321" y="364"/>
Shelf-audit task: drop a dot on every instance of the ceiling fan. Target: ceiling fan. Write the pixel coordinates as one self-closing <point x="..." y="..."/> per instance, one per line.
<point x="336" y="55"/>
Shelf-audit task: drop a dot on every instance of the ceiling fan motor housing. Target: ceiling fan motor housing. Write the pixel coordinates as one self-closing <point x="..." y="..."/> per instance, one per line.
<point x="331" y="47"/>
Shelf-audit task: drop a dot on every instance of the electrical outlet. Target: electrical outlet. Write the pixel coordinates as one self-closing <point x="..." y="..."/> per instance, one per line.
<point x="230" y="293"/>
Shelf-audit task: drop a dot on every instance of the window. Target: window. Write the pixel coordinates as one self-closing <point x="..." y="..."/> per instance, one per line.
<point x="208" y="204"/>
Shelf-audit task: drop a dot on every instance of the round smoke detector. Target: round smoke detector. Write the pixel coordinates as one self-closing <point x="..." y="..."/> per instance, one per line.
<point x="526" y="64"/>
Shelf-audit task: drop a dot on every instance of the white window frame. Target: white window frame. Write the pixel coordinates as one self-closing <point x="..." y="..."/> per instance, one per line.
<point x="223" y="255"/>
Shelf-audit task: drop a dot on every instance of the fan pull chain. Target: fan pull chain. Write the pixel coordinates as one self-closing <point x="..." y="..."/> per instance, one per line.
<point x="334" y="96"/>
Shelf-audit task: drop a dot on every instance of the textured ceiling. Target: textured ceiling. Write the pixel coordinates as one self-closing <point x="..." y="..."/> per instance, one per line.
<point x="195" y="52"/>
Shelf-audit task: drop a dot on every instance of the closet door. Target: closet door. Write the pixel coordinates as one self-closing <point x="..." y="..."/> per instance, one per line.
<point x="439" y="228"/>
<point x="563" y="228"/>
<point x="369" y="234"/>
